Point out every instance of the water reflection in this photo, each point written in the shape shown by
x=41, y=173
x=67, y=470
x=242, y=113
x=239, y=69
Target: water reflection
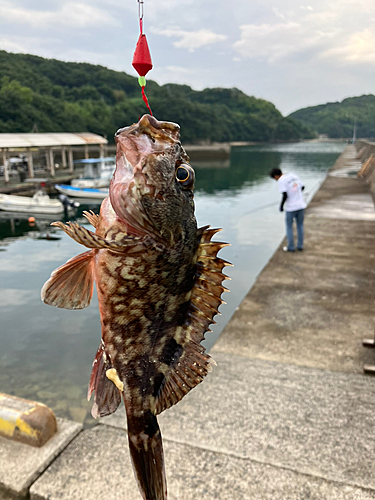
x=245, y=168
x=46, y=353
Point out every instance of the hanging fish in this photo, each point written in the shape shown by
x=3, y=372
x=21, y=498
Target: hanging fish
x=159, y=283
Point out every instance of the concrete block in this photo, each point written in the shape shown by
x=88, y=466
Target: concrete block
x=97, y=465
x=26, y=421
x=21, y=464
x=311, y=421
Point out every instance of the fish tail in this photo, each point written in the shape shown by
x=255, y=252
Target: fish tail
x=146, y=450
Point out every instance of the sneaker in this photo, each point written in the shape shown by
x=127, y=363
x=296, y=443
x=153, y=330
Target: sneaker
x=286, y=249
x=300, y=249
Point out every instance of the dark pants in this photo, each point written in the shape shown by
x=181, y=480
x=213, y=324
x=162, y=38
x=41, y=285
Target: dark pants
x=289, y=218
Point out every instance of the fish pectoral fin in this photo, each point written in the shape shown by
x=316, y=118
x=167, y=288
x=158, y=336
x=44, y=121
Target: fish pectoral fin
x=71, y=285
x=89, y=239
x=107, y=395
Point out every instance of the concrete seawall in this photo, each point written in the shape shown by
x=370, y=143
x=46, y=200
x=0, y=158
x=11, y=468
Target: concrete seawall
x=287, y=413
x=366, y=153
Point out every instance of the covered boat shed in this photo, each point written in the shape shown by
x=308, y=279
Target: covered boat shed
x=50, y=142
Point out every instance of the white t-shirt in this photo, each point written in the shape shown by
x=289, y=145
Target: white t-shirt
x=292, y=186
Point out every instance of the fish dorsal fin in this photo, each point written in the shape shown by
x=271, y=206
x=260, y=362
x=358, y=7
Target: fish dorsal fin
x=91, y=240
x=107, y=396
x=92, y=217
x=190, y=367
x=71, y=285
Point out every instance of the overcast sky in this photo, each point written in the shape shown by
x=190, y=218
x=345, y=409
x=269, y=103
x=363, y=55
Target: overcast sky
x=294, y=53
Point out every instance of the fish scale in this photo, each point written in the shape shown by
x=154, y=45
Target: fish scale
x=159, y=284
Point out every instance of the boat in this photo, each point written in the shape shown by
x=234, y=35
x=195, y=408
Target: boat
x=97, y=172
x=17, y=165
x=77, y=192
x=40, y=203
x=9, y=215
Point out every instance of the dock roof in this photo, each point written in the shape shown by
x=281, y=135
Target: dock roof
x=49, y=139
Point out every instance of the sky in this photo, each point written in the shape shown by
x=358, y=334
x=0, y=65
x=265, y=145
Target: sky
x=294, y=53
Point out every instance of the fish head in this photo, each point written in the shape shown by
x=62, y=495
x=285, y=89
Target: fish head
x=151, y=191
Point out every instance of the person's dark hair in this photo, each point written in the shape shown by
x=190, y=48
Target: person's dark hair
x=274, y=172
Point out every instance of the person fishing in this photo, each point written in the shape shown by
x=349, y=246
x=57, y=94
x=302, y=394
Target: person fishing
x=291, y=187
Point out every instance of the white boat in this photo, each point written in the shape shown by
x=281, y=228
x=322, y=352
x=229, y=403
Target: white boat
x=77, y=192
x=40, y=203
x=97, y=172
x=38, y=219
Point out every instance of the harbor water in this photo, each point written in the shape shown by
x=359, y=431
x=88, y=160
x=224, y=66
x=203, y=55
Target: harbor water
x=46, y=353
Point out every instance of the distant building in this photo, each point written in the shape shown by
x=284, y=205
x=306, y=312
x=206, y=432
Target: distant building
x=50, y=143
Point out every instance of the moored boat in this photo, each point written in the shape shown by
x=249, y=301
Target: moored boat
x=77, y=192
x=97, y=172
x=40, y=203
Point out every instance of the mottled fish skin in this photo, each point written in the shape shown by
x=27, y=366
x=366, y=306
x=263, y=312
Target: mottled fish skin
x=159, y=284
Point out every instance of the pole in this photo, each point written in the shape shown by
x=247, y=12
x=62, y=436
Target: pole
x=63, y=156
x=86, y=152
x=47, y=160
x=52, y=162
x=70, y=159
x=30, y=164
x=5, y=163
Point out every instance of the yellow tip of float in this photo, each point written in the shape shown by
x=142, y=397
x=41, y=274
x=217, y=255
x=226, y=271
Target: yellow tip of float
x=142, y=81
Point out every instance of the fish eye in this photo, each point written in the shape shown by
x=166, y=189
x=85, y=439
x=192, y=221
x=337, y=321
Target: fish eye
x=185, y=175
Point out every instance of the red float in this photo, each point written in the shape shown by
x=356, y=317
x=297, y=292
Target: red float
x=142, y=59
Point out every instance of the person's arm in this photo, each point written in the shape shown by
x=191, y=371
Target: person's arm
x=283, y=200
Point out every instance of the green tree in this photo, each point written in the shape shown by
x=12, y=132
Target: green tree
x=76, y=97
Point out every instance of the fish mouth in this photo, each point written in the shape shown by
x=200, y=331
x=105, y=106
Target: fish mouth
x=148, y=153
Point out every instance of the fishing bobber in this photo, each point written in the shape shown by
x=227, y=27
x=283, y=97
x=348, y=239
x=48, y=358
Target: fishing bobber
x=142, y=64
x=142, y=58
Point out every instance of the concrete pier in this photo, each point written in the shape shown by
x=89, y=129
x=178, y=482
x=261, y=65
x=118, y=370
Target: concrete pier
x=313, y=308
x=288, y=413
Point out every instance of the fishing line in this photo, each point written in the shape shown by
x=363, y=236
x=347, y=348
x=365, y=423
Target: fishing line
x=263, y=207
x=142, y=58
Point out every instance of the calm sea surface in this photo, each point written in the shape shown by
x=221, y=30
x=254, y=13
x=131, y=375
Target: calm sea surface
x=46, y=353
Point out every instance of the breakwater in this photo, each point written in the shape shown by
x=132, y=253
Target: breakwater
x=366, y=154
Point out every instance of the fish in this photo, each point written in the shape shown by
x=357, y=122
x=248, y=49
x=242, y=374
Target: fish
x=159, y=283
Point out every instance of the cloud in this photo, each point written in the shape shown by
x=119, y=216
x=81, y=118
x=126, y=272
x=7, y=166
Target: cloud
x=176, y=74
x=294, y=53
x=359, y=48
x=74, y=15
x=179, y=70
x=190, y=40
x=325, y=31
x=20, y=44
x=269, y=41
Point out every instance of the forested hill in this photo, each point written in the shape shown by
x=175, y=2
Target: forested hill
x=47, y=95
x=336, y=119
